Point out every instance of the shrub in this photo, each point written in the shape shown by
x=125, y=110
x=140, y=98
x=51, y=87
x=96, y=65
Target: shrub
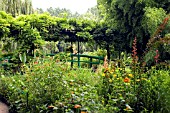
x=154, y=94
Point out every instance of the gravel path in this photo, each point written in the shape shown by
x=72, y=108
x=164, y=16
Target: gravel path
x=3, y=108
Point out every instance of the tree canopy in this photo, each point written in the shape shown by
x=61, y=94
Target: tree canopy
x=132, y=18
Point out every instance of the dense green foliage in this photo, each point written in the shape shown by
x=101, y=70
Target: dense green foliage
x=28, y=32
x=132, y=18
x=138, y=82
x=50, y=85
x=47, y=26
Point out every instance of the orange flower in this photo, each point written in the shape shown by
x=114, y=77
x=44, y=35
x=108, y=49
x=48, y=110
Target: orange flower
x=126, y=80
x=36, y=62
x=77, y=106
x=71, y=83
x=84, y=112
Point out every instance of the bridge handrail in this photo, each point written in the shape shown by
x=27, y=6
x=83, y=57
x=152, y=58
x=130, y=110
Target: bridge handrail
x=88, y=56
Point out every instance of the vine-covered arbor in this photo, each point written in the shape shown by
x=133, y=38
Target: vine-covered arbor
x=30, y=31
x=36, y=28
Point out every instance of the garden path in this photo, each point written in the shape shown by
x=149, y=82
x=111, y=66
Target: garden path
x=3, y=108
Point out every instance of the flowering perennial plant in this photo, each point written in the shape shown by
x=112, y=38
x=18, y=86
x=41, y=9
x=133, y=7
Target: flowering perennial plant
x=134, y=51
x=157, y=56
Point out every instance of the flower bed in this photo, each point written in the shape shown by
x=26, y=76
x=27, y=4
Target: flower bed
x=48, y=85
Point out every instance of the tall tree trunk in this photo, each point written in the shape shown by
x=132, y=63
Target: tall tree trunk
x=108, y=51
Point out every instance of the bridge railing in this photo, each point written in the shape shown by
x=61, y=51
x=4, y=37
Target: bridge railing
x=90, y=61
x=98, y=59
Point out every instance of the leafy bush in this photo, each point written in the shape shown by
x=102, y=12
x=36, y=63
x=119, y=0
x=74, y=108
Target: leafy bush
x=154, y=95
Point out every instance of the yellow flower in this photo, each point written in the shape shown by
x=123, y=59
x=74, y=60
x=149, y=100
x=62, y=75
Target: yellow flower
x=119, y=68
x=143, y=79
x=107, y=69
x=128, y=84
x=118, y=78
x=130, y=75
x=110, y=80
x=103, y=101
x=114, y=75
x=138, y=80
x=112, y=70
x=103, y=74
